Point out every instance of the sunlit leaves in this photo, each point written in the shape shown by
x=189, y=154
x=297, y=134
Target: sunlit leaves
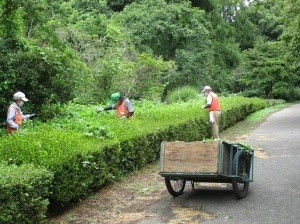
x=292, y=20
x=266, y=68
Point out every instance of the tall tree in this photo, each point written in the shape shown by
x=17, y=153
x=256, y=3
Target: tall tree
x=246, y=32
x=267, y=71
x=291, y=33
x=291, y=36
x=224, y=44
x=266, y=15
x=120, y=67
x=174, y=31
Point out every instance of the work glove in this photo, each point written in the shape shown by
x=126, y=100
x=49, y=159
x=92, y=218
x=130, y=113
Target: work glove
x=100, y=110
x=32, y=115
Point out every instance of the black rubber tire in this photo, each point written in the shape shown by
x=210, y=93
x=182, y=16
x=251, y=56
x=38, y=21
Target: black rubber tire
x=242, y=161
x=175, y=186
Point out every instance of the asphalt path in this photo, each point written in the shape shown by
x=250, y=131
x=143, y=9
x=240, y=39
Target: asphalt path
x=273, y=197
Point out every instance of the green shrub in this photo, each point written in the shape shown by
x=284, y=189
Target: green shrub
x=273, y=102
x=182, y=94
x=288, y=94
x=50, y=111
x=84, y=162
x=24, y=192
x=251, y=93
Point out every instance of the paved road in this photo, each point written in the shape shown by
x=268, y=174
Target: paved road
x=273, y=198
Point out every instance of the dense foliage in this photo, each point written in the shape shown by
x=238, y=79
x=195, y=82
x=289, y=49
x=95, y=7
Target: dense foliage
x=84, y=149
x=182, y=94
x=24, y=193
x=57, y=51
x=68, y=56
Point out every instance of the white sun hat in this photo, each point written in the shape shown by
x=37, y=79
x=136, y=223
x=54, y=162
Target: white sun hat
x=206, y=88
x=20, y=95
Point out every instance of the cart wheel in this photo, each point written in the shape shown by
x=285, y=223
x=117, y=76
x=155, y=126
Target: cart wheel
x=241, y=161
x=175, y=186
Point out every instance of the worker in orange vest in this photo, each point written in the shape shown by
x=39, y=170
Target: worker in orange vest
x=14, y=113
x=121, y=104
x=214, y=108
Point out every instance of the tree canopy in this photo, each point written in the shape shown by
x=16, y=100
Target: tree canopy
x=83, y=50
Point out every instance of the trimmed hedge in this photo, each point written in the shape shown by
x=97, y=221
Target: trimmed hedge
x=85, y=150
x=24, y=193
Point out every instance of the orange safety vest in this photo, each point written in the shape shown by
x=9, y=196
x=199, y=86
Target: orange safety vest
x=122, y=110
x=215, y=105
x=18, y=119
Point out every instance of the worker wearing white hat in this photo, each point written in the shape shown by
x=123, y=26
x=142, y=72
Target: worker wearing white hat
x=14, y=113
x=213, y=105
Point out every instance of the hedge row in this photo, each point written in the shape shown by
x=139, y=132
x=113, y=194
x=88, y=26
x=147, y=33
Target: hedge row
x=24, y=192
x=85, y=150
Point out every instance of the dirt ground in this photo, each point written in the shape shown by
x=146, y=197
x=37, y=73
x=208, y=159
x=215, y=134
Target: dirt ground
x=124, y=202
x=119, y=202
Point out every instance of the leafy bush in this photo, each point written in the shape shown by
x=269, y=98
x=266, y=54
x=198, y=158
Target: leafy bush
x=24, y=192
x=182, y=94
x=46, y=74
x=288, y=94
x=251, y=93
x=272, y=102
x=50, y=111
x=86, y=150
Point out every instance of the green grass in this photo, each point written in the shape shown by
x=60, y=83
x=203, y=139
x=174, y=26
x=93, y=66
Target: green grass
x=260, y=115
x=251, y=122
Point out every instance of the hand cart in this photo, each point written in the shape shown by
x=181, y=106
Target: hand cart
x=206, y=161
